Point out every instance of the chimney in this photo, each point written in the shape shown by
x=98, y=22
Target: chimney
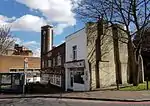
x=46, y=39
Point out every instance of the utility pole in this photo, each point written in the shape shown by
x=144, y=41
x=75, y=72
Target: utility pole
x=25, y=67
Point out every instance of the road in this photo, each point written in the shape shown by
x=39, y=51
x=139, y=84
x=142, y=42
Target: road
x=65, y=102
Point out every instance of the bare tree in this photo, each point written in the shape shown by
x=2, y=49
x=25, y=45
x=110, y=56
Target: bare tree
x=132, y=14
x=6, y=39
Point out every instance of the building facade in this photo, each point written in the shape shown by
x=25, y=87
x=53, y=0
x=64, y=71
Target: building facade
x=15, y=64
x=52, y=59
x=54, y=66
x=19, y=50
x=76, y=66
x=91, y=63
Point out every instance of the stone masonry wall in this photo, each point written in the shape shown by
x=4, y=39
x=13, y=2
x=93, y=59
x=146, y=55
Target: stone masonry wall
x=107, y=65
x=91, y=37
x=123, y=50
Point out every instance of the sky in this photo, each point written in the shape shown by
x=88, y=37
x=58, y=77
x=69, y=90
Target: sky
x=25, y=17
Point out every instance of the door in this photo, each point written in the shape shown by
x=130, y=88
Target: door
x=71, y=79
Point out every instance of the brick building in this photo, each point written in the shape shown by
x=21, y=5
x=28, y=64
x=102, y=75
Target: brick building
x=52, y=59
x=54, y=65
x=15, y=64
x=19, y=50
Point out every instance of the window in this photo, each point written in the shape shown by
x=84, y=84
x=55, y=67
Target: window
x=51, y=78
x=13, y=70
x=49, y=63
x=74, y=48
x=21, y=70
x=54, y=62
x=78, y=77
x=6, y=79
x=58, y=80
x=45, y=63
x=29, y=69
x=59, y=59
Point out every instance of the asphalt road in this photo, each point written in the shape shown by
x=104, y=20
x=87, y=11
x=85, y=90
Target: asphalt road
x=65, y=102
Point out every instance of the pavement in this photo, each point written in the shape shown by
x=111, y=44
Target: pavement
x=123, y=96
x=65, y=102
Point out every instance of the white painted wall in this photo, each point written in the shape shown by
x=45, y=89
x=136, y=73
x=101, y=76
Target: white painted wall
x=78, y=87
x=80, y=39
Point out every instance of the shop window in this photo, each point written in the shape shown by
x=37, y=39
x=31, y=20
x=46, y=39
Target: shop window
x=6, y=79
x=16, y=79
x=58, y=80
x=78, y=77
x=38, y=74
x=74, y=48
x=51, y=78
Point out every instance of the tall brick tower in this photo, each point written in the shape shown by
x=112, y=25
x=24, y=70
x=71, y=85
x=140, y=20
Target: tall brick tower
x=46, y=41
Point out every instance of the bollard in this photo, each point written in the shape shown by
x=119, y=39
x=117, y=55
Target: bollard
x=147, y=83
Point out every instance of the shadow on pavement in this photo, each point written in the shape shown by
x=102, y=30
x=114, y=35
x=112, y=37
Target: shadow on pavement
x=43, y=89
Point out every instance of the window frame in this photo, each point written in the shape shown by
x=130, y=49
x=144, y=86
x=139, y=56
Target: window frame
x=74, y=52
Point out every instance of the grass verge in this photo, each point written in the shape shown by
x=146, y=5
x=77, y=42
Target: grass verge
x=140, y=87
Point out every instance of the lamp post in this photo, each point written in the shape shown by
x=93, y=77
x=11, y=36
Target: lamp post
x=25, y=67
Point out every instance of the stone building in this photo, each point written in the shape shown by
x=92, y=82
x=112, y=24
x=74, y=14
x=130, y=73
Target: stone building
x=107, y=55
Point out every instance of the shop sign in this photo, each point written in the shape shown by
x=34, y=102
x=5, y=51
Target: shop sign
x=79, y=64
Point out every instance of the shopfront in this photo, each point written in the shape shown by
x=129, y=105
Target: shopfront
x=75, y=75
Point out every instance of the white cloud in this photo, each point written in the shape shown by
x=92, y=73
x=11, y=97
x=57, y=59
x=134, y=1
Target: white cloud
x=28, y=23
x=55, y=11
x=6, y=19
x=58, y=12
x=17, y=40
x=31, y=43
x=34, y=46
x=24, y=23
x=37, y=52
x=59, y=28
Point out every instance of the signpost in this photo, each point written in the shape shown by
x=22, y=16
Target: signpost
x=25, y=67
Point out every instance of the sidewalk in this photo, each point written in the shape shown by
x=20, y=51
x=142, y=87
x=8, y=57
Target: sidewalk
x=130, y=96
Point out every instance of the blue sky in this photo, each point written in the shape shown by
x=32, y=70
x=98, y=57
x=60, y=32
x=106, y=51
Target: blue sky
x=27, y=16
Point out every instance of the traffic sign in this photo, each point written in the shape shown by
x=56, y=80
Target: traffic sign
x=26, y=60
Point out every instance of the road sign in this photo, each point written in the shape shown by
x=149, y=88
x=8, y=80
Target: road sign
x=26, y=60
